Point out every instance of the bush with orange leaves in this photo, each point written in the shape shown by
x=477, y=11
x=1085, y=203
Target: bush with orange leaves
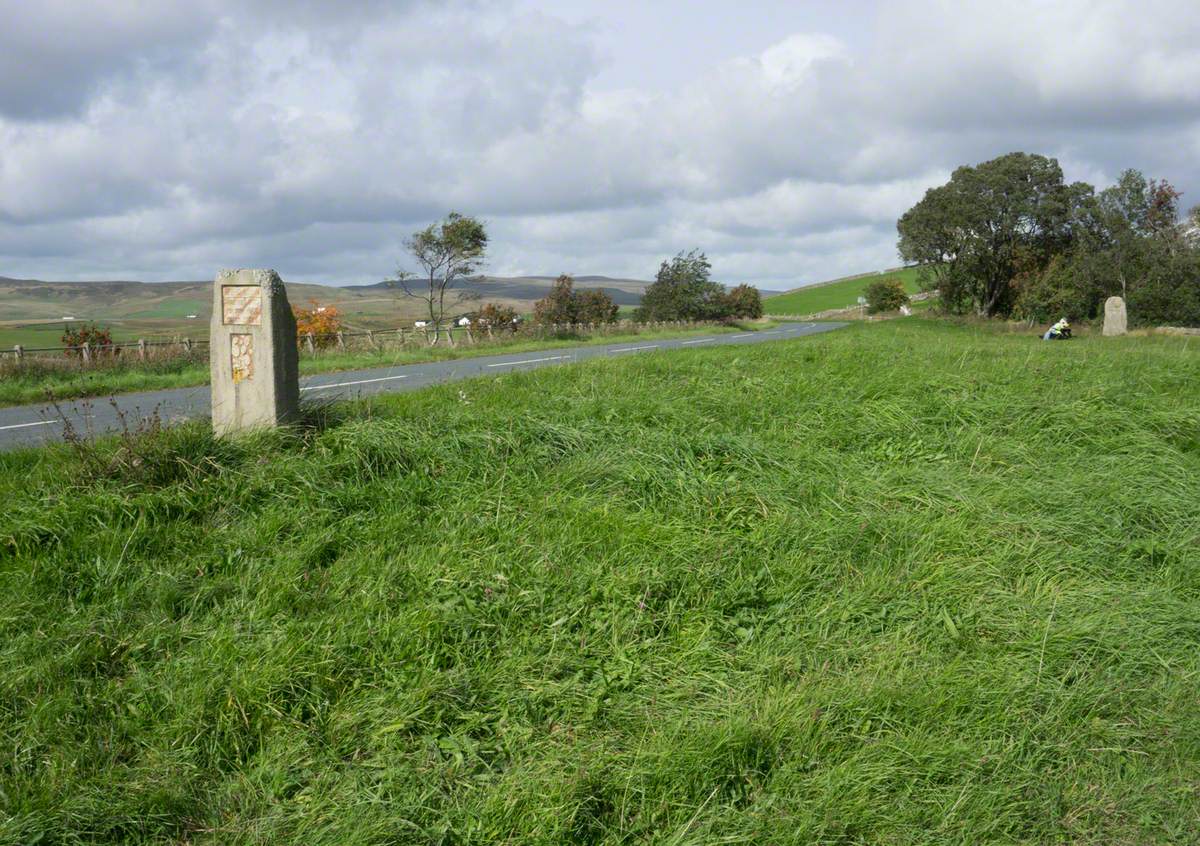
x=324, y=322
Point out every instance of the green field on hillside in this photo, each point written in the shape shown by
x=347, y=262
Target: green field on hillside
x=41, y=336
x=904, y=583
x=178, y=308
x=840, y=294
x=49, y=335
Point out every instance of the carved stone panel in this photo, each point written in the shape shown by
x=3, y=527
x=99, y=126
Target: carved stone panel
x=241, y=305
x=241, y=355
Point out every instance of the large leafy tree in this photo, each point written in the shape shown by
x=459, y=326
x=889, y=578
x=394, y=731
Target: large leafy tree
x=447, y=252
x=683, y=290
x=987, y=225
x=1127, y=241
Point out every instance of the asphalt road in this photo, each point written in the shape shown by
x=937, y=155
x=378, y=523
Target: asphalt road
x=29, y=425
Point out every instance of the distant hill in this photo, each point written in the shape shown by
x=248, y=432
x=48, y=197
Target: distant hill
x=532, y=288
x=32, y=310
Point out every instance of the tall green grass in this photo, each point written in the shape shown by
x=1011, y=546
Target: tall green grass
x=903, y=583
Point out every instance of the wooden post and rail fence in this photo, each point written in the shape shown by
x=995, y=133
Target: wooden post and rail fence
x=375, y=340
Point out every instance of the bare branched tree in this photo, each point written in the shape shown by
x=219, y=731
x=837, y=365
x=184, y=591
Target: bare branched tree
x=447, y=252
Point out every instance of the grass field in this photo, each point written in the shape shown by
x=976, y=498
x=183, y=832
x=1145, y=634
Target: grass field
x=841, y=294
x=32, y=337
x=178, y=308
x=908, y=582
x=49, y=335
x=33, y=382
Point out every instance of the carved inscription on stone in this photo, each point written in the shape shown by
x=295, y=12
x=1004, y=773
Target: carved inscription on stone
x=241, y=305
x=241, y=353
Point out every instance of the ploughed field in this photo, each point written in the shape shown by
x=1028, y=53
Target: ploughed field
x=909, y=582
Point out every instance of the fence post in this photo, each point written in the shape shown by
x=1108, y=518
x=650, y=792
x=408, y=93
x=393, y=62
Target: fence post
x=490, y=335
x=341, y=341
x=187, y=345
x=450, y=335
x=20, y=351
x=425, y=329
x=310, y=342
x=371, y=338
x=141, y=349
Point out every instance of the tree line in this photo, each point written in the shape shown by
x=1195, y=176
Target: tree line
x=1010, y=238
x=450, y=251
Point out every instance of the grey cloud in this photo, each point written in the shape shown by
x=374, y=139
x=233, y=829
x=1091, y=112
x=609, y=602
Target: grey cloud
x=313, y=137
x=55, y=55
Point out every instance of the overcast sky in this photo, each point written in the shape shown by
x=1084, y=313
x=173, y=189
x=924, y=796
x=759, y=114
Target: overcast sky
x=167, y=140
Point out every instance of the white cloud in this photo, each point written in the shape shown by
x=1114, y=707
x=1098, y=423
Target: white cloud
x=288, y=135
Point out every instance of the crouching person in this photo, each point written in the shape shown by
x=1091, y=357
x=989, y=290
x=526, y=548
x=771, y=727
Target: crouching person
x=1060, y=331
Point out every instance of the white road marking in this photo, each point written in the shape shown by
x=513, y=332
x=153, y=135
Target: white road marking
x=528, y=361
x=735, y=337
x=633, y=349
x=701, y=341
x=27, y=425
x=346, y=384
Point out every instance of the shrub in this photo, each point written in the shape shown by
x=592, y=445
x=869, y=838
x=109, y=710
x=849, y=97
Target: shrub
x=559, y=305
x=1062, y=289
x=566, y=305
x=1168, y=294
x=324, y=322
x=98, y=338
x=497, y=316
x=743, y=301
x=594, y=306
x=886, y=295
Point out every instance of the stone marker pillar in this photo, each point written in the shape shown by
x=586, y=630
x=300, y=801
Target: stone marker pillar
x=253, y=353
x=1115, y=318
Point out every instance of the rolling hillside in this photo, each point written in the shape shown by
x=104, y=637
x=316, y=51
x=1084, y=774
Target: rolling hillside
x=838, y=293
x=31, y=310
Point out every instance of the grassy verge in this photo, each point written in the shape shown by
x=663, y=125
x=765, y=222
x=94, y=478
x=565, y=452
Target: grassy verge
x=842, y=294
x=904, y=583
x=33, y=381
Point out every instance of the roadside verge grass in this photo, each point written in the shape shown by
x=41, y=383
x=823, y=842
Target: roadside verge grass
x=35, y=379
x=902, y=583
